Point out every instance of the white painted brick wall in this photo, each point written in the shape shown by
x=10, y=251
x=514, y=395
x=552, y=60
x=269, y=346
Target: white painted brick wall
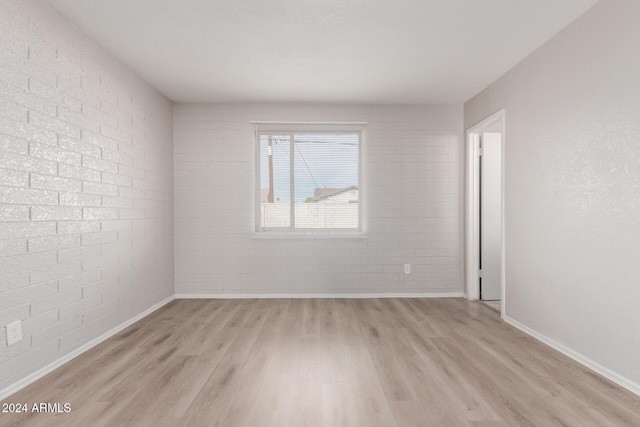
x=412, y=211
x=85, y=147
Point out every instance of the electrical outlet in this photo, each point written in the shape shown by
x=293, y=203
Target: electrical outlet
x=14, y=332
x=407, y=269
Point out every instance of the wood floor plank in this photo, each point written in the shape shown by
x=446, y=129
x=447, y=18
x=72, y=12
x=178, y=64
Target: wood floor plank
x=388, y=363
x=447, y=379
x=325, y=362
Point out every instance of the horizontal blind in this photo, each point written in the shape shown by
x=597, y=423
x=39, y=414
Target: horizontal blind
x=275, y=181
x=321, y=190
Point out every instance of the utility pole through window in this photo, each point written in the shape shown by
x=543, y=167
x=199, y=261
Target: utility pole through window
x=270, y=155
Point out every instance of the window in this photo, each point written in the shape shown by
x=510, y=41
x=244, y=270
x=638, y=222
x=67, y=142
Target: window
x=308, y=180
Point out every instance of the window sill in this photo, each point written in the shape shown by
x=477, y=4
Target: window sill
x=306, y=234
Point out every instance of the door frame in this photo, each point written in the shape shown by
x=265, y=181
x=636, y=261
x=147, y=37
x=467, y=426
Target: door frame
x=473, y=207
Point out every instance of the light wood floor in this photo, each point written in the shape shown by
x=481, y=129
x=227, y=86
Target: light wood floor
x=334, y=362
x=496, y=305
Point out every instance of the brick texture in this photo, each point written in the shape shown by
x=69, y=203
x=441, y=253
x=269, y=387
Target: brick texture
x=86, y=189
x=412, y=211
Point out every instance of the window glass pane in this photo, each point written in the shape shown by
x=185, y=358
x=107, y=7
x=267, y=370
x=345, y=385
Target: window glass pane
x=326, y=180
x=275, y=190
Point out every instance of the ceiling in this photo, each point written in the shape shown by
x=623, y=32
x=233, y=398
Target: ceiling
x=320, y=51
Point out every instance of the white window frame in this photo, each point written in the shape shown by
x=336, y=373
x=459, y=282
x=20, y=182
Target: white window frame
x=292, y=228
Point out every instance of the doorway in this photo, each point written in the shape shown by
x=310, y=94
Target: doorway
x=485, y=211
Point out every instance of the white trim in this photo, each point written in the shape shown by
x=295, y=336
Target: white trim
x=31, y=378
x=292, y=181
x=312, y=296
x=360, y=186
x=578, y=357
x=473, y=206
x=256, y=199
x=270, y=122
x=311, y=237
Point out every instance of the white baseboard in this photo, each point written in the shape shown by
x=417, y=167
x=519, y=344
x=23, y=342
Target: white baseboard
x=339, y=295
x=13, y=388
x=580, y=358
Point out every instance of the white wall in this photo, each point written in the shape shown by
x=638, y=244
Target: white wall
x=573, y=186
x=410, y=193
x=86, y=218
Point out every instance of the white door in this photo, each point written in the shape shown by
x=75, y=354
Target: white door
x=491, y=216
